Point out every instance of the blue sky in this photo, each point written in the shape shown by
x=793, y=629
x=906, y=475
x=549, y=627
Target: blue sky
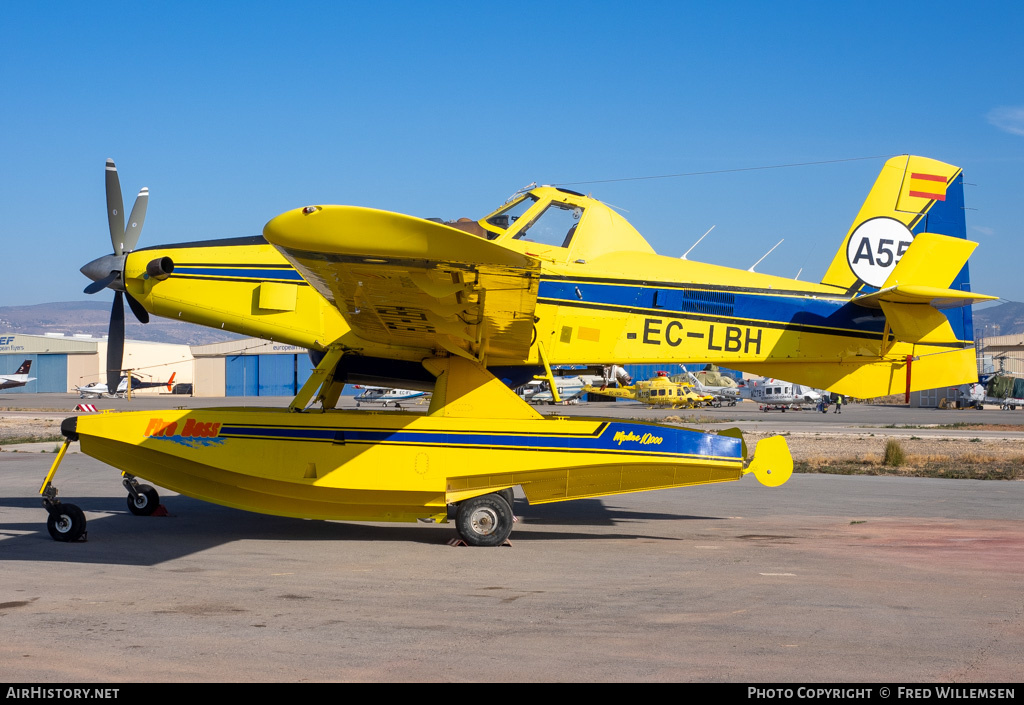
x=234, y=112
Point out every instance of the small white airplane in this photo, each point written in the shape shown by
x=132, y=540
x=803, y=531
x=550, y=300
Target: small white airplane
x=722, y=393
x=570, y=389
x=19, y=379
x=387, y=395
x=97, y=390
x=773, y=393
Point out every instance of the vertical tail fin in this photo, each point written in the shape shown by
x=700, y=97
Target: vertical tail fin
x=23, y=370
x=912, y=195
x=170, y=382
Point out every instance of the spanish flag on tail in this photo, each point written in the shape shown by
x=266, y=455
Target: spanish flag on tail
x=919, y=188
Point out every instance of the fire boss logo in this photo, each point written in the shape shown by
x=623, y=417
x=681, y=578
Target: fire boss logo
x=192, y=429
x=191, y=434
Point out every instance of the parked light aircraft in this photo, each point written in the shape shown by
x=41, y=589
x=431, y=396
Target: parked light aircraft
x=657, y=391
x=386, y=395
x=773, y=393
x=569, y=389
x=97, y=390
x=20, y=377
x=720, y=394
x=552, y=277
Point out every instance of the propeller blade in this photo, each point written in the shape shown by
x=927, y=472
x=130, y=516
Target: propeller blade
x=137, y=308
x=115, y=208
x=100, y=284
x=135, y=220
x=115, y=343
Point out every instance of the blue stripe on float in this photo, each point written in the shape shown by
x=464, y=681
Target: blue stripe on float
x=616, y=437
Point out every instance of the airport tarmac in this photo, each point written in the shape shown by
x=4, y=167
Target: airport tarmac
x=827, y=579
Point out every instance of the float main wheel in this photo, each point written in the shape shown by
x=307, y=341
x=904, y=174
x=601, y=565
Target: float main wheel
x=508, y=495
x=484, y=521
x=146, y=503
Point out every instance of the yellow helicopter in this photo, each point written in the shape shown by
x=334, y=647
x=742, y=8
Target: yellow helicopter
x=660, y=390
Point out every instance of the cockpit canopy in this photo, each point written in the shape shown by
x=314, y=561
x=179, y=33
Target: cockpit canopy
x=562, y=226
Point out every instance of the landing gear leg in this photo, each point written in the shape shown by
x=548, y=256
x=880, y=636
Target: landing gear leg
x=142, y=500
x=66, y=522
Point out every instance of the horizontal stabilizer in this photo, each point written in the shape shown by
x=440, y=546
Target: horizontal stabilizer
x=915, y=292
x=931, y=259
x=933, y=296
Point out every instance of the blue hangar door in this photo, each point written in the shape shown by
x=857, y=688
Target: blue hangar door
x=265, y=375
x=50, y=372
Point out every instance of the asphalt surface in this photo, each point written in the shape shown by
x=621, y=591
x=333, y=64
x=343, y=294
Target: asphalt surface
x=827, y=579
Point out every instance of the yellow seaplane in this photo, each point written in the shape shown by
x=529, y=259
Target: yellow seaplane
x=660, y=390
x=471, y=309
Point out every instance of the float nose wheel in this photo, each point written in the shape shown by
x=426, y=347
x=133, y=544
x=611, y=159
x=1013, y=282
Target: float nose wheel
x=484, y=521
x=142, y=500
x=66, y=522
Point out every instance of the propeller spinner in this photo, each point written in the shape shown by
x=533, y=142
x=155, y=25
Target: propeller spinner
x=108, y=271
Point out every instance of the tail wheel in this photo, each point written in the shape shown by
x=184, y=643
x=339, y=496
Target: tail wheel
x=66, y=523
x=484, y=521
x=146, y=503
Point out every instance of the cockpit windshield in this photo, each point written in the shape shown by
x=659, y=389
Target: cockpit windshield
x=506, y=217
x=555, y=226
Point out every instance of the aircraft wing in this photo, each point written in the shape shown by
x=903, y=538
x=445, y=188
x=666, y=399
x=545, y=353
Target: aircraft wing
x=405, y=281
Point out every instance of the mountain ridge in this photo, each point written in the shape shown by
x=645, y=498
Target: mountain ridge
x=93, y=318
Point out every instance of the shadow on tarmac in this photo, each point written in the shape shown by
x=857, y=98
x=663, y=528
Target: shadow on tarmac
x=116, y=536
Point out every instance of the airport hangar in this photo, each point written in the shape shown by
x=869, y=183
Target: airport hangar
x=246, y=367
x=62, y=362
x=255, y=367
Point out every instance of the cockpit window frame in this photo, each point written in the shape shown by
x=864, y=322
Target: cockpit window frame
x=495, y=229
x=564, y=240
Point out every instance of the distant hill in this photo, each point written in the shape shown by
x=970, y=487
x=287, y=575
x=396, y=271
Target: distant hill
x=93, y=318
x=1003, y=319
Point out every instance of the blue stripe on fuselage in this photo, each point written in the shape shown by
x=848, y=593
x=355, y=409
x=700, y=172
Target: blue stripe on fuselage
x=750, y=307
x=289, y=275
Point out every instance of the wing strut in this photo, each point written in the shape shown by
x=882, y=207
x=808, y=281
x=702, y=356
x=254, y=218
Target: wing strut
x=547, y=373
x=322, y=378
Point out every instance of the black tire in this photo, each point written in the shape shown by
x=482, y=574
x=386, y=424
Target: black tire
x=146, y=503
x=67, y=523
x=484, y=521
x=508, y=495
